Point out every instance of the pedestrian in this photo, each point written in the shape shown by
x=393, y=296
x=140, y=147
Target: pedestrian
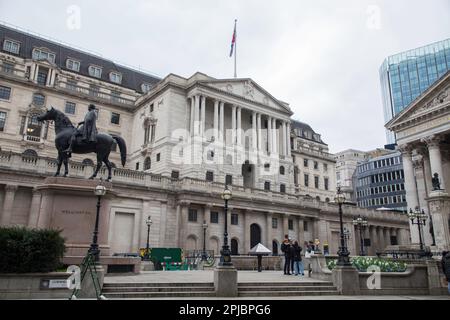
x=308, y=253
x=285, y=248
x=445, y=262
x=298, y=263
x=291, y=255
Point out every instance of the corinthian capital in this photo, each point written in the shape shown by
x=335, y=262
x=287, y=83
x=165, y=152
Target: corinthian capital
x=405, y=149
x=432, y=141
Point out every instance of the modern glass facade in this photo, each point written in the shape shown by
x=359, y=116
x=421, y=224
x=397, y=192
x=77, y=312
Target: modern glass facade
x=381, y=183
x=406, y=75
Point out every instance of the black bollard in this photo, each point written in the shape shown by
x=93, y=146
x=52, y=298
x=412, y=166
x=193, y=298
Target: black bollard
x=259, y=263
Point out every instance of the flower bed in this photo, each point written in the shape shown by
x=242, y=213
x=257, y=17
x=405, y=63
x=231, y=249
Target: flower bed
x=363, y=263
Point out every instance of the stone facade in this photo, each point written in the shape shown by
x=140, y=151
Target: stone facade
x=186, y=138
x=423, y=136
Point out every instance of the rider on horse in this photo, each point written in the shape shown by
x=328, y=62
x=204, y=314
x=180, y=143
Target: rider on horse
x=88, y=131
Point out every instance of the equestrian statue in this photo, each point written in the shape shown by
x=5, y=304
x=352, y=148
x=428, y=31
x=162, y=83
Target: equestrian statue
x=85, y=139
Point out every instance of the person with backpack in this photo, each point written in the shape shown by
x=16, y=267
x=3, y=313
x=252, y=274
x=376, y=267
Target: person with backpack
x=445, y=262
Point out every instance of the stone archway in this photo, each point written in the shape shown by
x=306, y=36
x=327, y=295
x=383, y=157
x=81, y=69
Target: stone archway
x=255, y=235
x=191, y=243
x=274, y=247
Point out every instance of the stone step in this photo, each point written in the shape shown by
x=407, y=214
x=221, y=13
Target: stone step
x=287, y=293
x=158, y=284
x=142, y=295
x=287, y=288
x=285, y=284
x=155, y=289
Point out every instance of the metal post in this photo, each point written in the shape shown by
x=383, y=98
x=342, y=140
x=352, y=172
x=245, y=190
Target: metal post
x=343, y=253
x=204, y=242
x=225, y=259
x=148, y=244
x=94, y=245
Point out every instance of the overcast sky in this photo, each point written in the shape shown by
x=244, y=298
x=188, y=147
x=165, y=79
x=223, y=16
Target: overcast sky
x=322, y=57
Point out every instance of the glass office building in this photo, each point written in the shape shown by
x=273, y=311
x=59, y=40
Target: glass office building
x=406, y=75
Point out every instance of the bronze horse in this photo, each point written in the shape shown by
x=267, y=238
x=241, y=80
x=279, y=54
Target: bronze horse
x=63, y=132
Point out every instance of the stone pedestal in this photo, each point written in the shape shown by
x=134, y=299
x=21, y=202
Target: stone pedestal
x=147, y=266
x=434, y=280
x=225, y=281
x=69, y=204
x=439, y=203
x=346, y=280
x=87, y=285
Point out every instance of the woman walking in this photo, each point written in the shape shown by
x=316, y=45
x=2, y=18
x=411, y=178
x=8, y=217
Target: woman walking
x=298, y=263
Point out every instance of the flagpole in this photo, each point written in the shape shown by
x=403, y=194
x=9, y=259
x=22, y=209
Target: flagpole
x=235, y=49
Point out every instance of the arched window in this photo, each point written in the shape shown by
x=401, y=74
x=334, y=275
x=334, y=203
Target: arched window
x=30, y=153
x=234, y=247
x=282, y=170
x=88, y=162
x=327, y=199
x=274, y=247
x=147, y=163
x=318, y=198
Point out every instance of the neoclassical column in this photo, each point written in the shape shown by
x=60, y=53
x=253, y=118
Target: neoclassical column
x=433, y=144
x=197, y=116
x=206, y=219
x=269, y=135
x=284, y=137
x=45, y=210
x=34, y=209
x=233, y=125
x=387, y=237
x=288, y=133
x=246, y=233
x=274, y=136
x=216, y=120
x=259, y=133
x=222, y=121
x=254, y=132
x=8, y=203
x=203, y=113
x=239, y=126
x=269, y=236
x=408, y=169
x=177, y=225
x=300, y=231
x=373, y=240
x=285, y=224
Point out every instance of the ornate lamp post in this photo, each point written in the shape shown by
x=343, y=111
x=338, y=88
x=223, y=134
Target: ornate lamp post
x=204, y=226
x=225, y=258
x=361, y=224
x=418, y=217
x=148, y=222
x=99, y=191
x=343, y=252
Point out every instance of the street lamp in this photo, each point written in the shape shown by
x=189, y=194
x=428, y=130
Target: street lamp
x=361, y=224
x=343, y=252
x=421, y=218
x=148, y=222
x=204, y=226
x=225, y=258
x=99, y=191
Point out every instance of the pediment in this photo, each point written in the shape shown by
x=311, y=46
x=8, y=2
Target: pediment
x=250, y=90
x=434, y=99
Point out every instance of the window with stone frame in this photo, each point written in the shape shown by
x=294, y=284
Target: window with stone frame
x=214, y=217
x=158, y=157
x=73, y=65
x=291, y=224
x=70, y=107
x=316, y=182
x=95, y=71
x=2, y=120
x=11, y=46
x=306, y=180
x=115, y=118
x=305, y=163
x=305, y=225
x=267, y=185
x=325, y=183
x=38, y=99
x=228, y=180
x=274, y=223
x=282, y=188
x=192, y=215
x=316, y=165
x=234, y=219
x=282, y=170
x=147, y=163
x=175, y=174
x=5, y=93
x=209, y=176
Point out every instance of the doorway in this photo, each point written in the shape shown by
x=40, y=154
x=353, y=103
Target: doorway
x=255, y=235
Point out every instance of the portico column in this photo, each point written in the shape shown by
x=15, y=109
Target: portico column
x=410, y=187
x=177, y=225
x=288, y=133
x=269, y=230
x=197, y=116
x=222, y=121
x=274, y=136
x=203, y=113
x=269, y=135
x=435, y=157
x=34, y=209
x=301, y=232
x=373, y=240
x=254, y=132
x=191, y=127
x=246, y=225
x=8, y=202
x=206, y=215
x=285, y=224
x=258, y=118
x=239, y=126
x=183, y=225
x=284, y=137
x=216, y=120
x=233, y=125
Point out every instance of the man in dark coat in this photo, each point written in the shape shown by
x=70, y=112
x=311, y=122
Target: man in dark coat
x=298, y=264
x=286, y=248
x=88, y=131
x=445, y=262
